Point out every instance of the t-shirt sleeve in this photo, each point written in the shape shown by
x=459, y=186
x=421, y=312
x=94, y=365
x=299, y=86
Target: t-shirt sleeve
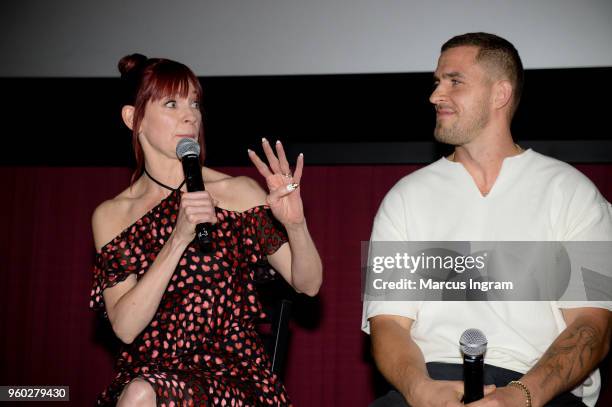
x=113, y=264
x=390, y=220
x=586, y=216
x=389, y=225
x=583, y=213
x=585, y=304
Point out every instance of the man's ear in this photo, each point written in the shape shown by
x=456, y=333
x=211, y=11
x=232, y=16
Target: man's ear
x=127, y=114
x=502, y=94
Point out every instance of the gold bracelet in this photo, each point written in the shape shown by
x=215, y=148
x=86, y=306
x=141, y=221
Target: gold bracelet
x=526, y=392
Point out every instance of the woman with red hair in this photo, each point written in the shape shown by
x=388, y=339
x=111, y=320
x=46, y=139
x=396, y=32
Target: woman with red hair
x=187, y=317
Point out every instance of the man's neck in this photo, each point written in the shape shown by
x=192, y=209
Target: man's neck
x=483, y=159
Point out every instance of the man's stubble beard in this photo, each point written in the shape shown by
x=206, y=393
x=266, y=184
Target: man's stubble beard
x=457, y=134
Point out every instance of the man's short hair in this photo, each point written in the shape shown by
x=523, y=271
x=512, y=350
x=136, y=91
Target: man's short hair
x=496, y=52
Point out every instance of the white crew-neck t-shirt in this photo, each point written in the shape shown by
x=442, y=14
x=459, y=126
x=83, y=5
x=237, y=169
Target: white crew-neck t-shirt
x=535, y=198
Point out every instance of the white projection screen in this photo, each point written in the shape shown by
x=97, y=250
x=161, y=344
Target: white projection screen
x=76, y=38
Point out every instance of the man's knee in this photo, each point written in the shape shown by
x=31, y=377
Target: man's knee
x=138, y=393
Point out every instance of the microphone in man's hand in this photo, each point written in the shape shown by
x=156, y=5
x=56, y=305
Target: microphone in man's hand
x=188, y=151
x=473, y=345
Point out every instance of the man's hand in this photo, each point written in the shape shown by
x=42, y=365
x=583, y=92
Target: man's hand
x=437, y=393
x=508, y=396
x=440, y=393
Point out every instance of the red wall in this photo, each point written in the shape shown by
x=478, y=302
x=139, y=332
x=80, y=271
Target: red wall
x=48, y=335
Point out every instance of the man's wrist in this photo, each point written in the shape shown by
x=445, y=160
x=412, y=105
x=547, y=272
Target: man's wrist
x=524, y=390
x=414, y=387
x=539, y=395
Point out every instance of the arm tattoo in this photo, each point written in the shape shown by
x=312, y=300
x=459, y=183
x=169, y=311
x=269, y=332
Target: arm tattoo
x=572, y=356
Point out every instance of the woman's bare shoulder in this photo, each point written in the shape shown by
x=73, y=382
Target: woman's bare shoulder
x=236, y=193
x=213, y=176
x=112, y=216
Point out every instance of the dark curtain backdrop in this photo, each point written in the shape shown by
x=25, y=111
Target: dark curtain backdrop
x=48, y=336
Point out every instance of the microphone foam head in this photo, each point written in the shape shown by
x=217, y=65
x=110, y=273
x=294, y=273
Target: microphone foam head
x=473, y=342
x=187, y=146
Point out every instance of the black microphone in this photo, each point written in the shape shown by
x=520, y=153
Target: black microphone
x=473, y=345
x=188, y=151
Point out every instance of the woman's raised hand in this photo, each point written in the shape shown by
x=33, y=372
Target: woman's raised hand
x=283, y=187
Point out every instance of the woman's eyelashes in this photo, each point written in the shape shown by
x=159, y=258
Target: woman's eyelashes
x=171, y=103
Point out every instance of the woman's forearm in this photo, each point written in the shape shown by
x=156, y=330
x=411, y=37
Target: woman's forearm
x=136, y=308
x=306, y=268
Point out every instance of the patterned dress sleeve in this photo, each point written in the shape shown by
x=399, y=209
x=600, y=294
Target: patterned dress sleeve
x=264, y=236
x=113, y=264
x=270, y=233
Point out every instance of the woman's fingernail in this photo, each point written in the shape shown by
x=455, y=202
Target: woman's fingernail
x=263, y=140
x=292, y=187
x=278, y=142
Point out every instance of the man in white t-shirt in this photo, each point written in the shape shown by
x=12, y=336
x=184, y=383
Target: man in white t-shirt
x=489, y=189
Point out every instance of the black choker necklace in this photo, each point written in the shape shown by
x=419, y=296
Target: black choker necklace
x=164, y=185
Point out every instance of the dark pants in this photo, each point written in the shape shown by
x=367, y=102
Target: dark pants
x=492, y=375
